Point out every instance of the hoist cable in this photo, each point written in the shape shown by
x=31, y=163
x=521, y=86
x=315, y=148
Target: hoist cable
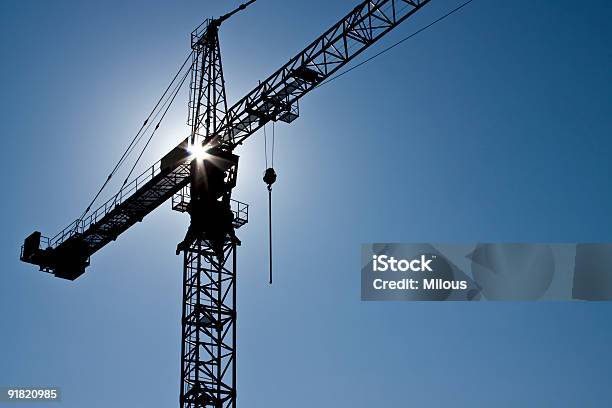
x=270, y=199
x=269, y=178
x=270, y=227
x=272, y=144
x=265, y=145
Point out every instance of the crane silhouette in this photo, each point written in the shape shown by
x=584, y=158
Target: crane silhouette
x=199, y=175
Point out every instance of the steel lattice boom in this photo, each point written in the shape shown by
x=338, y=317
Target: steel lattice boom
x=276, y=98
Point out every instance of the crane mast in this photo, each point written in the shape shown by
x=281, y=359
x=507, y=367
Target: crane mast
x=208, y=369
x=198, y=176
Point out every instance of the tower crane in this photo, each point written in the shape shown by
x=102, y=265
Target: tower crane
x=198, y=177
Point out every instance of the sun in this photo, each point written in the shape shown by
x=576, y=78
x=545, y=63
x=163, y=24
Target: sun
x=198, y=151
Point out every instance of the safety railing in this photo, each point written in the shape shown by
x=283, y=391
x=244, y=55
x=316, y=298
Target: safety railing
x=241, y=213
x=181, y=199
x=80, y=225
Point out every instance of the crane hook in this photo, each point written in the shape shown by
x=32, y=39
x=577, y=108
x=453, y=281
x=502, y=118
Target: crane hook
x=269, y=178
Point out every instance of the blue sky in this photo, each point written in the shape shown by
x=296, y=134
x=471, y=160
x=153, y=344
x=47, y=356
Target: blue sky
x=492, y=126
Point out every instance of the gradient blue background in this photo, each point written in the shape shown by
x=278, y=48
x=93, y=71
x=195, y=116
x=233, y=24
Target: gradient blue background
x=493, y=126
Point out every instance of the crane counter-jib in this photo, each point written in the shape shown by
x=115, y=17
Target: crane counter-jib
x=67, y=253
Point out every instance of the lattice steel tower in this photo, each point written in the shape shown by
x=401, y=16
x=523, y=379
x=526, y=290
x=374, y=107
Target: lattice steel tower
x=208, y=352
